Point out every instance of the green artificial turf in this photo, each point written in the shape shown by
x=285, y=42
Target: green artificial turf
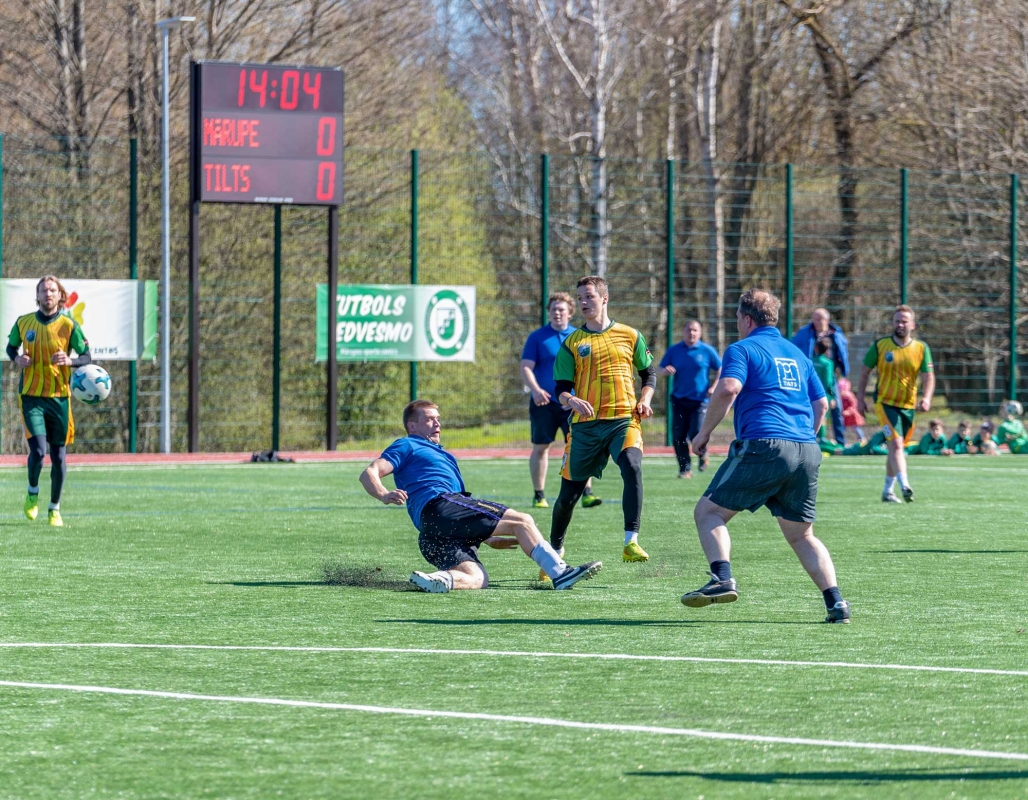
x=298, y=555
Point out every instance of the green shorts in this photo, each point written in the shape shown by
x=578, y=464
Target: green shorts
x=591, y=443
x=49, y=417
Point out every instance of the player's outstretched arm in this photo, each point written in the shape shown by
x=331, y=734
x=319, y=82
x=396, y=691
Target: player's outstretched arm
x=371, y=480
x=927, y=392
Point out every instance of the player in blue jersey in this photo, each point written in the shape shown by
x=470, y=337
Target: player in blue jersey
x=453, y=524
x=690, y=362
x=545, y=414
x=774, y=460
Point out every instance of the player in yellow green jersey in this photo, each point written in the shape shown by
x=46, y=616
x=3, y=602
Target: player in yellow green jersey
x=898, y=359
x=597, y=363
x=41, y=344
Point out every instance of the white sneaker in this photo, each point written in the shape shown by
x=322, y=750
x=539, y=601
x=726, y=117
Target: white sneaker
x=890, y=497
x=434, y=583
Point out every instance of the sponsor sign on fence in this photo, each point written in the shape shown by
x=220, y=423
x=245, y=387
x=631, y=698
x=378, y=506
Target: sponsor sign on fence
x=119, y=318
x=399, y=323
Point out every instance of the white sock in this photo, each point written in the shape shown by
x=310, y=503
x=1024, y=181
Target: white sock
x=903, y=480
x=631, y=536
x=55, y=506
x=549, y=562
x=33, y=490
x=889, y=483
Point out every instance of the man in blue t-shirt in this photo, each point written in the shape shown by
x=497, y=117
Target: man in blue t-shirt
x=545, y=414
x=690, y=363
x=775, y=458
x=453, y=524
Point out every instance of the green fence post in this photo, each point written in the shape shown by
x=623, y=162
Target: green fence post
x=133, y=274
x=1, y=271
x=276, y=352
x=544, y=236
x=1012, y=358
x=414, y=254
x=669, y=292
x=788, y=250
x=904, y=228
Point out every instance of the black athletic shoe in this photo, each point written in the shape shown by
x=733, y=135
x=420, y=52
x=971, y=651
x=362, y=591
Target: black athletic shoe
x=703, y=464
x=714, y=592
x=573, y=575
x=908, y=495
x=839, y=613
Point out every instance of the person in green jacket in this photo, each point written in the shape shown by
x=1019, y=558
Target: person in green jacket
x=875, y=446
x=983, y=443
x=1011, y=430
x=824, y=367
x=932, y=443
x=960, y=440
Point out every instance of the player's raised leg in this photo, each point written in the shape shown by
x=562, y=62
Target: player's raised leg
x=630, y=464
x=523, y=528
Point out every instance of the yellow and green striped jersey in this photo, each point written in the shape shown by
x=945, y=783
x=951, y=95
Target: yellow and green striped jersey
x=898, y=368
x=602, y=365
x=40, y=340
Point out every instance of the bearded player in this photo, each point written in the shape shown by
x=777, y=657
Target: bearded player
x=46, y=339
x=596, y=362
x=898, y=359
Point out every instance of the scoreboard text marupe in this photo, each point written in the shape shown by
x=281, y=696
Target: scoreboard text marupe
x=267, y=134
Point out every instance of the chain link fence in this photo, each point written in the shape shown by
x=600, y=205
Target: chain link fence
x=856, y=241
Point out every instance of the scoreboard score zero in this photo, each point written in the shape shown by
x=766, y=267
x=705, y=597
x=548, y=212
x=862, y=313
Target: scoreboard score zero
x=266, y=133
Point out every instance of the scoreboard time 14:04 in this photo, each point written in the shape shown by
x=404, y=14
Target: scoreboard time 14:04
x=268, y=134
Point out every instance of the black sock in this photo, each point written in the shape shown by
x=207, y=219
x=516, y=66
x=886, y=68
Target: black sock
x=539, y=495
x=832, y=596
x=721, y=570
x=563, y=508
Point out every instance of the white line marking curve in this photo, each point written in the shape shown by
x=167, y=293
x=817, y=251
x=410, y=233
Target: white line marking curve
x=542, y=721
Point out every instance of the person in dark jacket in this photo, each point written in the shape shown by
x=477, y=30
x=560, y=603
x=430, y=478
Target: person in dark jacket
x=822, y=327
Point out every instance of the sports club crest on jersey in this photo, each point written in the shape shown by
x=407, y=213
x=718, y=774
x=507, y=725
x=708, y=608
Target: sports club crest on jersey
x=585, y=350
x=889, y=357
x=30, y=336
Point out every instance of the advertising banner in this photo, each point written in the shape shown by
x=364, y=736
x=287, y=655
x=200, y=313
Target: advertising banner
x=399, y=323
x=119, y=318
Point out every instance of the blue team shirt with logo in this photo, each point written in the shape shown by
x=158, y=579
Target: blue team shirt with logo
x=541, y=347
x=778, y=387
x=692, y=369
x=424, y=470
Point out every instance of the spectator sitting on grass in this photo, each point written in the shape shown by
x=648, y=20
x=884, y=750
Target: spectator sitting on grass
x=960, y=440
x=851, y=418
x=932, y=443
x=1011, y=430
x=983, y=443
x=875, y=446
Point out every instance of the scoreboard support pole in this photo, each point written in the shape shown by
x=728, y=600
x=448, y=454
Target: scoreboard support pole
x=332, y=394
x=276, y=352
x=194, y=326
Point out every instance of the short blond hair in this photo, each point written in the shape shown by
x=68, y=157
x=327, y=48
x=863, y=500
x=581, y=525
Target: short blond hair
x=596, y=282
x=905, y=309
x=761, y=306
x=561, y=297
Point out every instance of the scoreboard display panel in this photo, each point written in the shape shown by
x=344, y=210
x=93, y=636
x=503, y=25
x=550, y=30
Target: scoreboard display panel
x=267, y=133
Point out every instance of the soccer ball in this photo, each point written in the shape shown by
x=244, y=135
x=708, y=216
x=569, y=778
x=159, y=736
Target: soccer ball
x=90, y=384
x=1013, y=408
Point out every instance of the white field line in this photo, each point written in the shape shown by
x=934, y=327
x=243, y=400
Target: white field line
x=764, y=662
x=542, y=721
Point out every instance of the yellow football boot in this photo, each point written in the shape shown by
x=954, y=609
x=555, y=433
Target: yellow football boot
x=55, y=519
x=31, y=506
x=633, y=552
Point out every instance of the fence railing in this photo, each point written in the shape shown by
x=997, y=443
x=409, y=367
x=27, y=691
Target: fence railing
x=679, y=242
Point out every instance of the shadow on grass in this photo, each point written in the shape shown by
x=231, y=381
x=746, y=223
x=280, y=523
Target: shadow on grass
x=333, y=573
x=835, y=776
x=965, y=552
x=654, y=623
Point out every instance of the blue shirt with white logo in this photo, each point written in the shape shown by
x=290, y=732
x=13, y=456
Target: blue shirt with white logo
x=424, y=470
x=692, y=369
x=778, y=387
x=541, y=347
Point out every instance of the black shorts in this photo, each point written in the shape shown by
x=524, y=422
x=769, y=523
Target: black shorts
x=454, y=525
x=547, y=420
x=776, y=473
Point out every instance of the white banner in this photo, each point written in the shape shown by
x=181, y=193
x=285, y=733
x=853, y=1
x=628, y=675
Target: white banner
x=119, y=318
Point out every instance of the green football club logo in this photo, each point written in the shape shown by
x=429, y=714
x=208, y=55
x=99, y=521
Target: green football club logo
x=447, y=323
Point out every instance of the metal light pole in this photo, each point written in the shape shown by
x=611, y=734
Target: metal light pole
x=165, y=26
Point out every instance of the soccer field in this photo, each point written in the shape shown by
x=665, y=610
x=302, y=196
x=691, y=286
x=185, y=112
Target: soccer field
x=277, y=651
